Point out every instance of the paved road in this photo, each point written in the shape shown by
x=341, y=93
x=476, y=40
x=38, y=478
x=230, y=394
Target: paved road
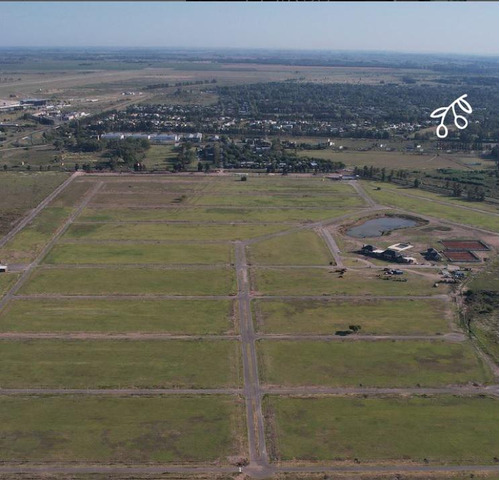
x=332, y=246
x=33, y=213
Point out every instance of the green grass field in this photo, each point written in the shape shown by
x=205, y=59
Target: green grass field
x=121, y=430
x=137, y=199
x=299, y=248
x=441, y=429
x=298, y=200
x=212, y=214
x=140, y=254
x=377, y=364
x=6, y=281
x=191, y=317
x=126, y=280
x=22, y=191
x=29, y=242
x=389, y=196
x=120, y=364
x=166, y=231
x=309, y=281
x=403, y=317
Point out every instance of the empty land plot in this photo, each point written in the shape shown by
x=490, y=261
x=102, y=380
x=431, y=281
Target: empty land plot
x=20, y=192
x=375, y=364
x=73, y=193
x=120, y=364
x=298, y=200
x=442, y=429
x=299, y=248
x=191, y=317
x=138, y=199
x=6, y=281
x=446, y=212
x=165, y=231
x=29, y=242
x=140, y=254
x=322, y=281
x=403, y=317
x=424, y=194
x=130, y=281
x=134, y=186
x=279, y=185
x=176, y=429
x=214, y=214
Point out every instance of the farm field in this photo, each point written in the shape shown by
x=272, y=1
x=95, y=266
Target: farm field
x=324, y=281
x=300, y=248
x=121, y=430
x=176, y=334
x=176, y=317
x=373, y=316
x=327, y=429
x=379, y=363
x=120, y=364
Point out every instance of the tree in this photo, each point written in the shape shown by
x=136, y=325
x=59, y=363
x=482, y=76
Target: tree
x=416, y=183
x=200, y=167
x=207, y=167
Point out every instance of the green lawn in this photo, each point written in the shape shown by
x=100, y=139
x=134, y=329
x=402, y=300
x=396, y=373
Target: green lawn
x=120, y=364
x=441, y=429
x=143, y=254
x=403, y=317
x=29, y=242
x=167, y=231
x=309, y=281
x=138, y=199
x=299, y=248
x=377, y=363
x=130, y=430
x=213, y=214
x=389, y=196
x=192, y=317
x=129, y=281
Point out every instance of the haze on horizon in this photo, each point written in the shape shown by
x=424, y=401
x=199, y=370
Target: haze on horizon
x=423, y=27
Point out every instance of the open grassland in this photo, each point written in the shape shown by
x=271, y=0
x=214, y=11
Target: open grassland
x=319, y=281
x=441, y=429
x=120, y=364
x=121, y=430
x=299, y=248
x=297, y=200
x=160, y=157
x=73, y=193
x=403, y=317
x=29, y=242
x=123, y=281
x=20, y=192
x=388, y=196
x=481, y=474
x=167, y=231
x=214, y=214
x=191, y=317
x=376, y=364
x=140, y=254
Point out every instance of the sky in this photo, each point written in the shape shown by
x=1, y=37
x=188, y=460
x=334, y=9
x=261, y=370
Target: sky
x=430, y=27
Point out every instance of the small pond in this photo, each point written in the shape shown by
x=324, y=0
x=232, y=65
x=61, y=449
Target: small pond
x=378, y=226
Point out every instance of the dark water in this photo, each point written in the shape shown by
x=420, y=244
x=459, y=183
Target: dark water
x=377, y=226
